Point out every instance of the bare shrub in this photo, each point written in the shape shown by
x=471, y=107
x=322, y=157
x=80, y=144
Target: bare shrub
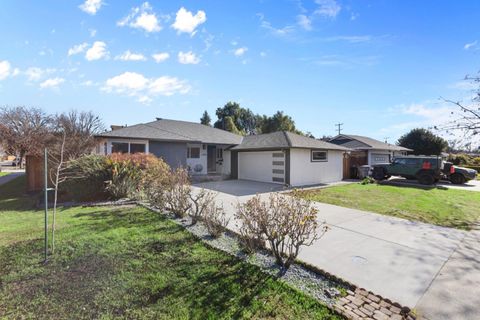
x=249, y=230
x=215, y=219
x=285, y=222
x=199, y=202
x=178, y=192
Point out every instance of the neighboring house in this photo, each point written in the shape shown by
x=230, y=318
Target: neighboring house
x=280, y=157
x=200, y=148
x=368, y=151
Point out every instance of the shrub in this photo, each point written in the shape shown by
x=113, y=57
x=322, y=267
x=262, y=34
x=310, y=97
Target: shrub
x=215, y=220
x=178, y=192
x=285, y=222
x=199, y=203
x=367, y=180
x=249, y=230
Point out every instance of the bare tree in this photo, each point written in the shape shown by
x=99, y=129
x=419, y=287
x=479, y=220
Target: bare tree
x=200, y=203
x=466, y=118
x=24, y=130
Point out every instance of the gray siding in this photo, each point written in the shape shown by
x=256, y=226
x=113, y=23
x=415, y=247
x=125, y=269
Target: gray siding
x=173, y=153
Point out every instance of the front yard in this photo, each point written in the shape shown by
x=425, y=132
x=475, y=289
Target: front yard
x=449, y=208
x=128, y=262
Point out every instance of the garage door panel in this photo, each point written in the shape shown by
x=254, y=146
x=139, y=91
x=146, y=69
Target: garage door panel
x=264, y=166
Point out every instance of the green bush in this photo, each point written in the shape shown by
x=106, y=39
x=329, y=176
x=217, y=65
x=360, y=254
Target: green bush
x=367, y=180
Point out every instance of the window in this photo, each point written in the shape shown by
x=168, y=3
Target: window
x=318, y=156
x=193, y=152
x=119, y=147
x=219, y=153
x=400, y=161
x=137, y=148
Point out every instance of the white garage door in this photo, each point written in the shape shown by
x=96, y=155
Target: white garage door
x=380, y=158
x=264, y=166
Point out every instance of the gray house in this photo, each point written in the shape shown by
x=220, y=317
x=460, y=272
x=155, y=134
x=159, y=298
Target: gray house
x=368, y=151
x=279, y=157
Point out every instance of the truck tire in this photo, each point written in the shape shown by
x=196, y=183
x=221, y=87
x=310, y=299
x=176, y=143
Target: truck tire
x=378, y=175
x=426, y=179
x=457, y=178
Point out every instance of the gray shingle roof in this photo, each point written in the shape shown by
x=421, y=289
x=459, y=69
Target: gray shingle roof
x=361, y=143
x=174, y=130
x=284, y=139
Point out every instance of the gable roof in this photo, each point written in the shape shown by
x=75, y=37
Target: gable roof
x=174, y=130
x=284, y=139
x=361, y=142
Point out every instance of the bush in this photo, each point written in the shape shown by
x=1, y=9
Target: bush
x=199, y=203
x=215, y=220
x=367, y=180
x=285, y=222
x=177, y=192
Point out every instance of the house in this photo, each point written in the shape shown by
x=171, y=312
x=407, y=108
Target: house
x=279, y=157
x=200, y=148
x=368, y=151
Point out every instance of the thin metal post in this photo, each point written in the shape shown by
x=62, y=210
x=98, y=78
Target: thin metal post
x=46, y=204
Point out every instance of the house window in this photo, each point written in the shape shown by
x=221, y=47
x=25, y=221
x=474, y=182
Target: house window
x=119, y=147
x=137, y=148
x=193, y=152
x=318, y=156
x=219, y=153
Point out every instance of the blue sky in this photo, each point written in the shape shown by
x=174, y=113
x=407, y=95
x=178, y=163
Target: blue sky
x=379, y=67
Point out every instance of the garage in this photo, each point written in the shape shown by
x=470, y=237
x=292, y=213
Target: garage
x=376, y=158
x=264, y=166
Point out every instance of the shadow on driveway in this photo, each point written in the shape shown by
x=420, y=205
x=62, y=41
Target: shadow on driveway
x=241, y=188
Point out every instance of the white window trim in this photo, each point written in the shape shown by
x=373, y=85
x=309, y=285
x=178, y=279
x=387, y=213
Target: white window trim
x=199, y=151
x=129, y=141
x=317, y=150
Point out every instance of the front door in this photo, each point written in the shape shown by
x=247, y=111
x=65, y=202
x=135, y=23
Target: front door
x=212, y=158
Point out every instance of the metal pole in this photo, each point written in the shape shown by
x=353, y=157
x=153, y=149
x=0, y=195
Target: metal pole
x=46, y=204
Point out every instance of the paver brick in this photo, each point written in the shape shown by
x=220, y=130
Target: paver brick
x=373, y=297
x=395, y=309
x=380, y=315
x=367, y=312
x=386, y=311
x=369, y=307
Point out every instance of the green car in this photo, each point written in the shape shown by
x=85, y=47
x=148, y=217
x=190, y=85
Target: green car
x=426, y=169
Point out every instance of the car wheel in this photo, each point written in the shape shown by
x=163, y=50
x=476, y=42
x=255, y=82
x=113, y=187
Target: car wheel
x=426, y=179
x=377, y=175
x=457, y=179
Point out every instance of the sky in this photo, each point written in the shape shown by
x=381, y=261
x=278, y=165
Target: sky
x=379, y=67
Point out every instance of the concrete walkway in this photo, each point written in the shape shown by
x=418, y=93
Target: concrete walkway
x=10, y=177
x=393, y=257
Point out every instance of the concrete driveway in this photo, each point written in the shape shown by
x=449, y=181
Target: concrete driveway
x=395, y=258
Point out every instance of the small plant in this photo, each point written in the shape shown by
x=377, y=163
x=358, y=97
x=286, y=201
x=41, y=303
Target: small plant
x=215, y=220
x=286, y=223
x=200, y=202
x=367, y=180
x=249, y=230
x=177, y=195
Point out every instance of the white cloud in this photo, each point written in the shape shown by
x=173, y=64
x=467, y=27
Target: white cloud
x=279, y=32
x=131, y=56
x=52, y=83
x=240, y=51
x=15, y=72
x=186, y=22
x=137, y=85
x=327, y=8
x=36, y=74
x=91, y=6
x=4, y=69
x=304, y=21
x=93, y=32
x=97, y=51
x=471, y=45
x=188, y=58
x=142, y=17
x=160, y=57
x=351, y=39
x=87, y=83
x=76, y=49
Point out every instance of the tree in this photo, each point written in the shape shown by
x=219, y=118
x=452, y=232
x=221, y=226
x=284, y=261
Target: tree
x=243, y=120
x=423, y=141
x=24, y=130
x=205, y=119
x=278, y=122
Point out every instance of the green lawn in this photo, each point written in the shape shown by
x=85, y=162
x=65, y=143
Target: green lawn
x=129, y=263
x=450, y=208
x=4, y=173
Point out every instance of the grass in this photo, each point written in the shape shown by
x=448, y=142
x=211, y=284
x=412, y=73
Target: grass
x=128, y=262
x=4, y=173
x=443, y=207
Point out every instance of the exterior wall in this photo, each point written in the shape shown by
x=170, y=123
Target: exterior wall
x=173, y=153
x=305, y=172
x=196, y=163
x=261, y=166
x=226, y=166
x=379, y=156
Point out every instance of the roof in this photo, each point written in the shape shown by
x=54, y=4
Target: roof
x=284, y=139
x=362, y=143
x=174, y=130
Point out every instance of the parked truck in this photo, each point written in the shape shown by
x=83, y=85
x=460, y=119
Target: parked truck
x=426, y=170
